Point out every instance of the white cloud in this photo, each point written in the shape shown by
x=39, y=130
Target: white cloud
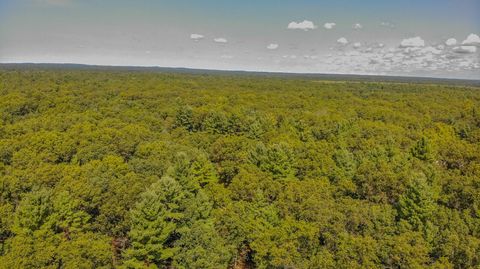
x=220, y=40
x=465, y=49
x=272, y=46
x=431, y=50
x=304, y=25
x=357, y=26
x=329, y=25
x=411, y=50
x=412, y=42
x=196, y=37
x=387, y=24
x=357, y=45
x=472, y=39
x=310, y=57
x=419, y=60
x=451, y=42
x=226, y=57
x=342, y=41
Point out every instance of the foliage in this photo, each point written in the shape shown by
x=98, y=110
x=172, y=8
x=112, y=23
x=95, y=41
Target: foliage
x=119, y=169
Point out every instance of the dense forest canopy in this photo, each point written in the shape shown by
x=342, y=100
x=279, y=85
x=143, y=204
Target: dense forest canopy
x=113, y=169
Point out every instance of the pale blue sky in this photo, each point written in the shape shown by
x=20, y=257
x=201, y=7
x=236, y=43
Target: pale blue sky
x=157, y=32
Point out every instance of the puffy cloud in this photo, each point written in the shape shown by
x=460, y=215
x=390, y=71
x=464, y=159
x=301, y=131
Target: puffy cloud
x=342, y=41
x=196, y=37
x=472, y=39
x=220, y=40
x=451, y=42
x=357, y=45
x=411, y=50
x=402, y=61
x=357, y=26
x=431, y=50
x=310, y=57
x=272, y=46
x=304, y=25
x=465, y=49
x=387, y=24
x=329, y=25
x=412, y=42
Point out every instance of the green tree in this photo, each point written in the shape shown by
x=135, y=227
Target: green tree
x=423, y=150
x=201, y=247
x=154, y=222
x=203, y=171
x=276, y=159
x=417, y=204
x=67, y=216
x=33, y=212
x=184, y=118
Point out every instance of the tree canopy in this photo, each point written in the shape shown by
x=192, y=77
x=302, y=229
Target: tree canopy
x=124, y=169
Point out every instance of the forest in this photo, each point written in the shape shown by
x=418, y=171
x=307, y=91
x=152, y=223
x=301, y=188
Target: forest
x=132, y=169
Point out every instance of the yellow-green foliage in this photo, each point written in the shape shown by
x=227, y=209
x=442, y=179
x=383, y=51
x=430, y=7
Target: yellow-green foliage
x=112, y=169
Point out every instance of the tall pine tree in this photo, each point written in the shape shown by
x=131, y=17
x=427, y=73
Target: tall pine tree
x=154, y=223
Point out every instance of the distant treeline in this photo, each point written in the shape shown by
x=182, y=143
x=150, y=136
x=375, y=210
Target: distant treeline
x=251, y=74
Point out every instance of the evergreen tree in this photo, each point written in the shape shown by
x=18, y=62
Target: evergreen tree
x=422, y=150
x=181, y=172
x=203, y=171
x=154, y=222
x=417, y=204
x=66, y=216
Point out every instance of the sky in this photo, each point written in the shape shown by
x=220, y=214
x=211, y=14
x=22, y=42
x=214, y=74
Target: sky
x=436, y=38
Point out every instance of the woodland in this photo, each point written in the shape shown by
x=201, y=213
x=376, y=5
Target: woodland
x=131, y=169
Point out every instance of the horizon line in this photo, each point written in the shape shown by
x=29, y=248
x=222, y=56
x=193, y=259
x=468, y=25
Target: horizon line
x=245, y=71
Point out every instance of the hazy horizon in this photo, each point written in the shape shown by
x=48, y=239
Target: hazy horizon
x=404, y=38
